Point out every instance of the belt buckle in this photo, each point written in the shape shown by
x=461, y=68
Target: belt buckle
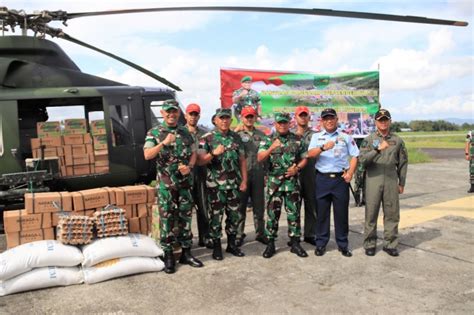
x=332, y=175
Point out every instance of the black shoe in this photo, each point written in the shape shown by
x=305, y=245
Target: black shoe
x=205, y=242
x=170, y=263
x=262, y=239
x=289, y=243
x=370, y=251
x=270, y=250
x=232, y=248
x=320, y=250
x=188, y=259
x=296, y=247
x=239, y=241
x=346, y=252
x=391, y=251
x=217, y=249
x=471, y=190
x=310, y=240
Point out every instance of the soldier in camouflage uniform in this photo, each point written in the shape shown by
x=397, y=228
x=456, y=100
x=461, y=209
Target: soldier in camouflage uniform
x=469, y=152
x=384, y=156
x=175, y=153
x=193, y=112
x=251, y=138
x=245, y=96
x=287, y=156
x=226, y=178
x=307, y=175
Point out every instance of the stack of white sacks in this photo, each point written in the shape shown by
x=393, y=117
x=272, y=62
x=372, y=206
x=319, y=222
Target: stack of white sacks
x=49, y=263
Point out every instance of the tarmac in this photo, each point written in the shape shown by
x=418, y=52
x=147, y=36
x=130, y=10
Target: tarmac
x=433, y=274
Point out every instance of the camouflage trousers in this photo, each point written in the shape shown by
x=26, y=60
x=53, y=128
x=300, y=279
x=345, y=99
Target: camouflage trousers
x=220, y=202
x=175, y=217
x=292, y=202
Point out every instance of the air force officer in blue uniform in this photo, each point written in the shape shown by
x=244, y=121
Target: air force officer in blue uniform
x=334, y=171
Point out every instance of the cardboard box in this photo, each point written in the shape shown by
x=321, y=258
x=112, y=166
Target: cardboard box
x=48, y=152
x=23, y=237
x=48, y=129
x=98, y=127
x=101, y=155
x=127, y=195
x=73, y=139
x=87, y=138
x=134, y=225
x=79, y=159
x=75, y=126
x=142, y=210
x=20, y=220
x=48, y=142
x=91, y=198
x=43, y=202
x=100, y=142
x=101, y=170
x=78, y=170
x=101, y=163
x=75, y=149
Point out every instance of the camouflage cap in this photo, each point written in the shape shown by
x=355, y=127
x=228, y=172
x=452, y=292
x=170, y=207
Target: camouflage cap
x=221, y=112
x=247, y=78
x=170, y=104
x=282, y=117
x=382, y=113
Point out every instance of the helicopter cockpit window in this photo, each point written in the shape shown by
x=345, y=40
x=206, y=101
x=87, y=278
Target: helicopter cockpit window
x=120, y=118
x=156, y=117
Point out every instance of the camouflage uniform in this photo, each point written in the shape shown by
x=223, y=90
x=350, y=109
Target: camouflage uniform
x=470, y=140
x=199, y=190
x=255, y=182
x=280, y=189
x=174, y=190
x=251, y=99
x=385, y=171
x=223, y=181
x=307, y=180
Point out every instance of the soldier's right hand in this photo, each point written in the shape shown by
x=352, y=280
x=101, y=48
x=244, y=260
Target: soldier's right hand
x=276, y=144
x=170, y=138
x=329, y=145
x=219, y=150
x=383, y=145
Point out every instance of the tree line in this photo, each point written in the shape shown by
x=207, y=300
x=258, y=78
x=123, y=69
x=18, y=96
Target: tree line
x=430, y=125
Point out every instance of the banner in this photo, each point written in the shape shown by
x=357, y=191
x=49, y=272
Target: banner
x=354, y=96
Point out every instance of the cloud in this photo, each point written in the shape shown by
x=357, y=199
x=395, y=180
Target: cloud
x=410, y=69
x=425, y=108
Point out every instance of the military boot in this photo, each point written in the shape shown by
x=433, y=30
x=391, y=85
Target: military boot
x=232, y=247
x=188, y=259
x=296, y=247
x=217, y=249
x=471, y=190
x=270, y=250
x=170, y=263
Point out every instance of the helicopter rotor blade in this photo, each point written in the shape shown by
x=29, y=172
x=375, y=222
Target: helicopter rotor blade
x=65, y=36
x=319, y=12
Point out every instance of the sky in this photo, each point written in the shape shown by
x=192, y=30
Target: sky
x=426, y=71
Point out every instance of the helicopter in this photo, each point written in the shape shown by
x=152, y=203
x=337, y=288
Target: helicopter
x=37, y=78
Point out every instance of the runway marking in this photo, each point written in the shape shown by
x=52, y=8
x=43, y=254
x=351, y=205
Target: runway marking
x=463, y=207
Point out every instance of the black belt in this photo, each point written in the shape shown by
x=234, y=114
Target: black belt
x=330, y=175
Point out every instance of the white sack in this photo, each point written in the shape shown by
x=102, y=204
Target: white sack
x=41, y=278
x=119, y=246
x=120, y=267
x=25, y=257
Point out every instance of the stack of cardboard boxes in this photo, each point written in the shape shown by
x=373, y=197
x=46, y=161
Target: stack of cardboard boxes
x=41, y=212
x=78, y=152
x=101, y=154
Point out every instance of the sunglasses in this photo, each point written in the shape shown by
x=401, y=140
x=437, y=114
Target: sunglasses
x=193, y=114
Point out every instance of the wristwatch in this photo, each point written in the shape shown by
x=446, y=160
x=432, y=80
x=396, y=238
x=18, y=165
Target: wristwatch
x=298, y=168
x=322, y=148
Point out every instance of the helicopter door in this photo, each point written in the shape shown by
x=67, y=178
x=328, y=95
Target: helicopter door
x=9, y=138
x=121, y=148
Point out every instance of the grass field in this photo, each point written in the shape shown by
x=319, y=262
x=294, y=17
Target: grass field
x=435, y=139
